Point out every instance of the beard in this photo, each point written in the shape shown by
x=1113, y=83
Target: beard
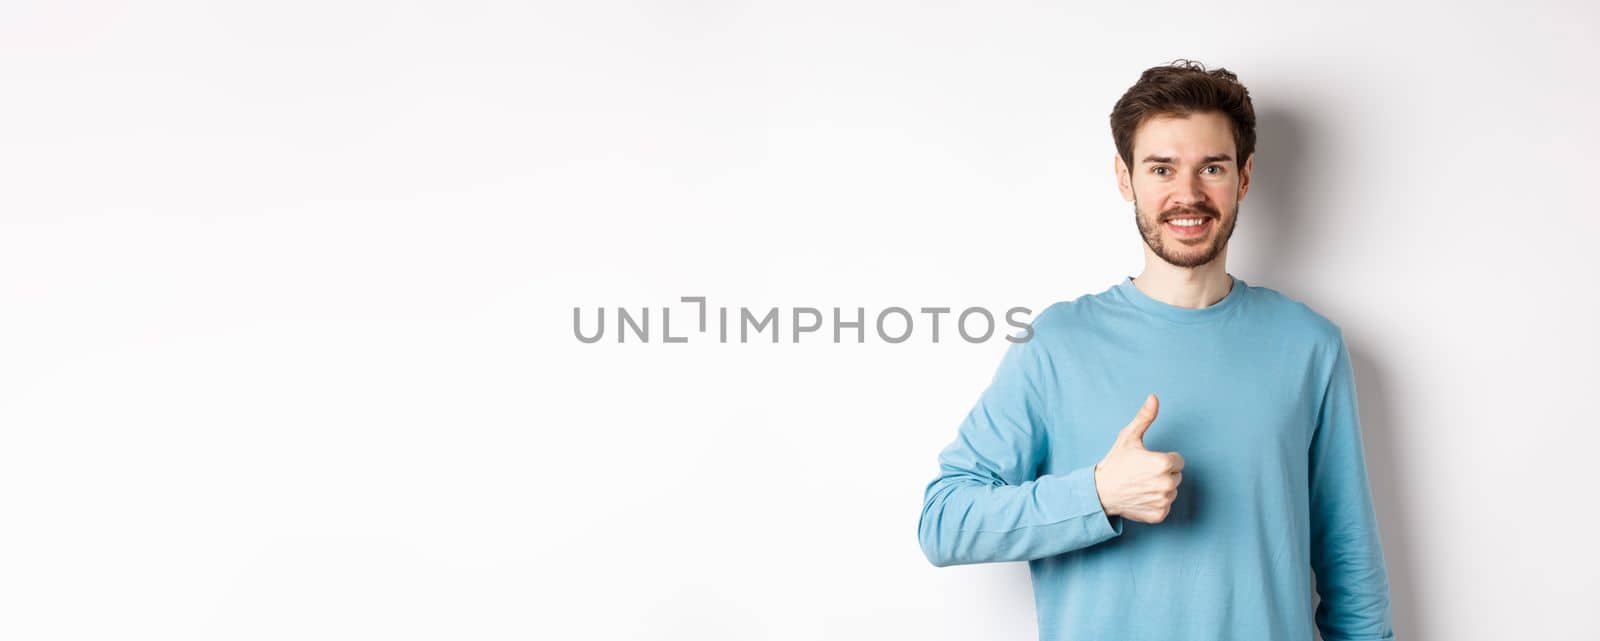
x=1182, y=255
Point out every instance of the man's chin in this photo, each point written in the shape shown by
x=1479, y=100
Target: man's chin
x=1194, y=258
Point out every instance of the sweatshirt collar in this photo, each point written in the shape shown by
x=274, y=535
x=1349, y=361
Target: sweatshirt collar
x=1216, y=310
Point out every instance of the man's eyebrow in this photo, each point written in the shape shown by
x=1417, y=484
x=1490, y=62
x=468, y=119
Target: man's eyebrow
x=1169, y=160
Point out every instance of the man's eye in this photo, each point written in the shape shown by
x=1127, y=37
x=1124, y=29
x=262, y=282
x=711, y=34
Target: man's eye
x=1159, y=171
x=1218, y=168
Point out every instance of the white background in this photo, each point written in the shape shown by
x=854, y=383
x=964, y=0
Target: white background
x=286, y=296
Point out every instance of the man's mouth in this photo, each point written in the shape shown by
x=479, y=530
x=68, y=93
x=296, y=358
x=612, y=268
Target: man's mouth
x=1188, y=226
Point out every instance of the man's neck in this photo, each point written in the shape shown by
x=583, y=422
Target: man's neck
x=1191, y=288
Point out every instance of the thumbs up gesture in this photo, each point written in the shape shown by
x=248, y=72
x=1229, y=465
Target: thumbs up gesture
x=1135, y=482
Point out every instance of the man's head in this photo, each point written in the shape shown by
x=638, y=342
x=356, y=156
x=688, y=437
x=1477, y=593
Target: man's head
x=1186, y=142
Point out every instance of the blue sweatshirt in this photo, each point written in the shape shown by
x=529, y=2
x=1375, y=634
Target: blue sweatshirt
x=1256, y=393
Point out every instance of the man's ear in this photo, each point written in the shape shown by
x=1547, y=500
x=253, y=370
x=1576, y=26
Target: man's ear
x=1244, y=175
x=1124, y=177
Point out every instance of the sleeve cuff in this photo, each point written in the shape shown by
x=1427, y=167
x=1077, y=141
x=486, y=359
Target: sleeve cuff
x=1073, y=496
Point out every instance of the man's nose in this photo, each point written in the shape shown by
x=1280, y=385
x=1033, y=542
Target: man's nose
x=1188, y=192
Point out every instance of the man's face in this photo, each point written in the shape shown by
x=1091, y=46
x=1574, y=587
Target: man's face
x=1185, y=186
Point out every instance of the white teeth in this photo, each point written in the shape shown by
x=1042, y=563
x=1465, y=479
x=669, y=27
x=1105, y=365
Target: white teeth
x=1187, y=222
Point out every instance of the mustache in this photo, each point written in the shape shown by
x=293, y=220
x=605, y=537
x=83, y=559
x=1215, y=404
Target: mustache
x=1191, y=212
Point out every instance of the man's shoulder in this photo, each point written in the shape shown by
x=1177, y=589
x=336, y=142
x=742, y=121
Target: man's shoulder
x=1290, y=314
x=1066, y=317
x=1067, y=313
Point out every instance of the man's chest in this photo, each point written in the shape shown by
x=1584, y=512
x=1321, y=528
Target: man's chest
x=1219, y=404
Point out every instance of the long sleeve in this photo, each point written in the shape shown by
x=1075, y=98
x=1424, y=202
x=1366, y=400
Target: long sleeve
x=1346, y=551
x=987, y=503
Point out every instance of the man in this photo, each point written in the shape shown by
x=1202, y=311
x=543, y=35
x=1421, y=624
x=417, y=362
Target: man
x=1202, y=517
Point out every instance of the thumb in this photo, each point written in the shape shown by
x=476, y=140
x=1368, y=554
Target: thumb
x=1133, y=433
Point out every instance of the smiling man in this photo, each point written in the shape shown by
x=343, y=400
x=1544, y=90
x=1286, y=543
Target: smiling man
x=1176, y=455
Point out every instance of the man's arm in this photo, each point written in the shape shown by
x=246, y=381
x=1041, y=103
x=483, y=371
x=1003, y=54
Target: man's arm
x=988, y=504
x=1346, y=552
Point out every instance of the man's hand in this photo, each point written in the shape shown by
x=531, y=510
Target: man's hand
x=1135, y=482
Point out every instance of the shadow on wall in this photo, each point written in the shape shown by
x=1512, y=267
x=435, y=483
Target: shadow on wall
x=1389, y=495
x=1276, y=204
x=1276, y=210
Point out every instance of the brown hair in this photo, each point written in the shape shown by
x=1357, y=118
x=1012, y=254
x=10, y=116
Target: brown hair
x=1181, y=88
